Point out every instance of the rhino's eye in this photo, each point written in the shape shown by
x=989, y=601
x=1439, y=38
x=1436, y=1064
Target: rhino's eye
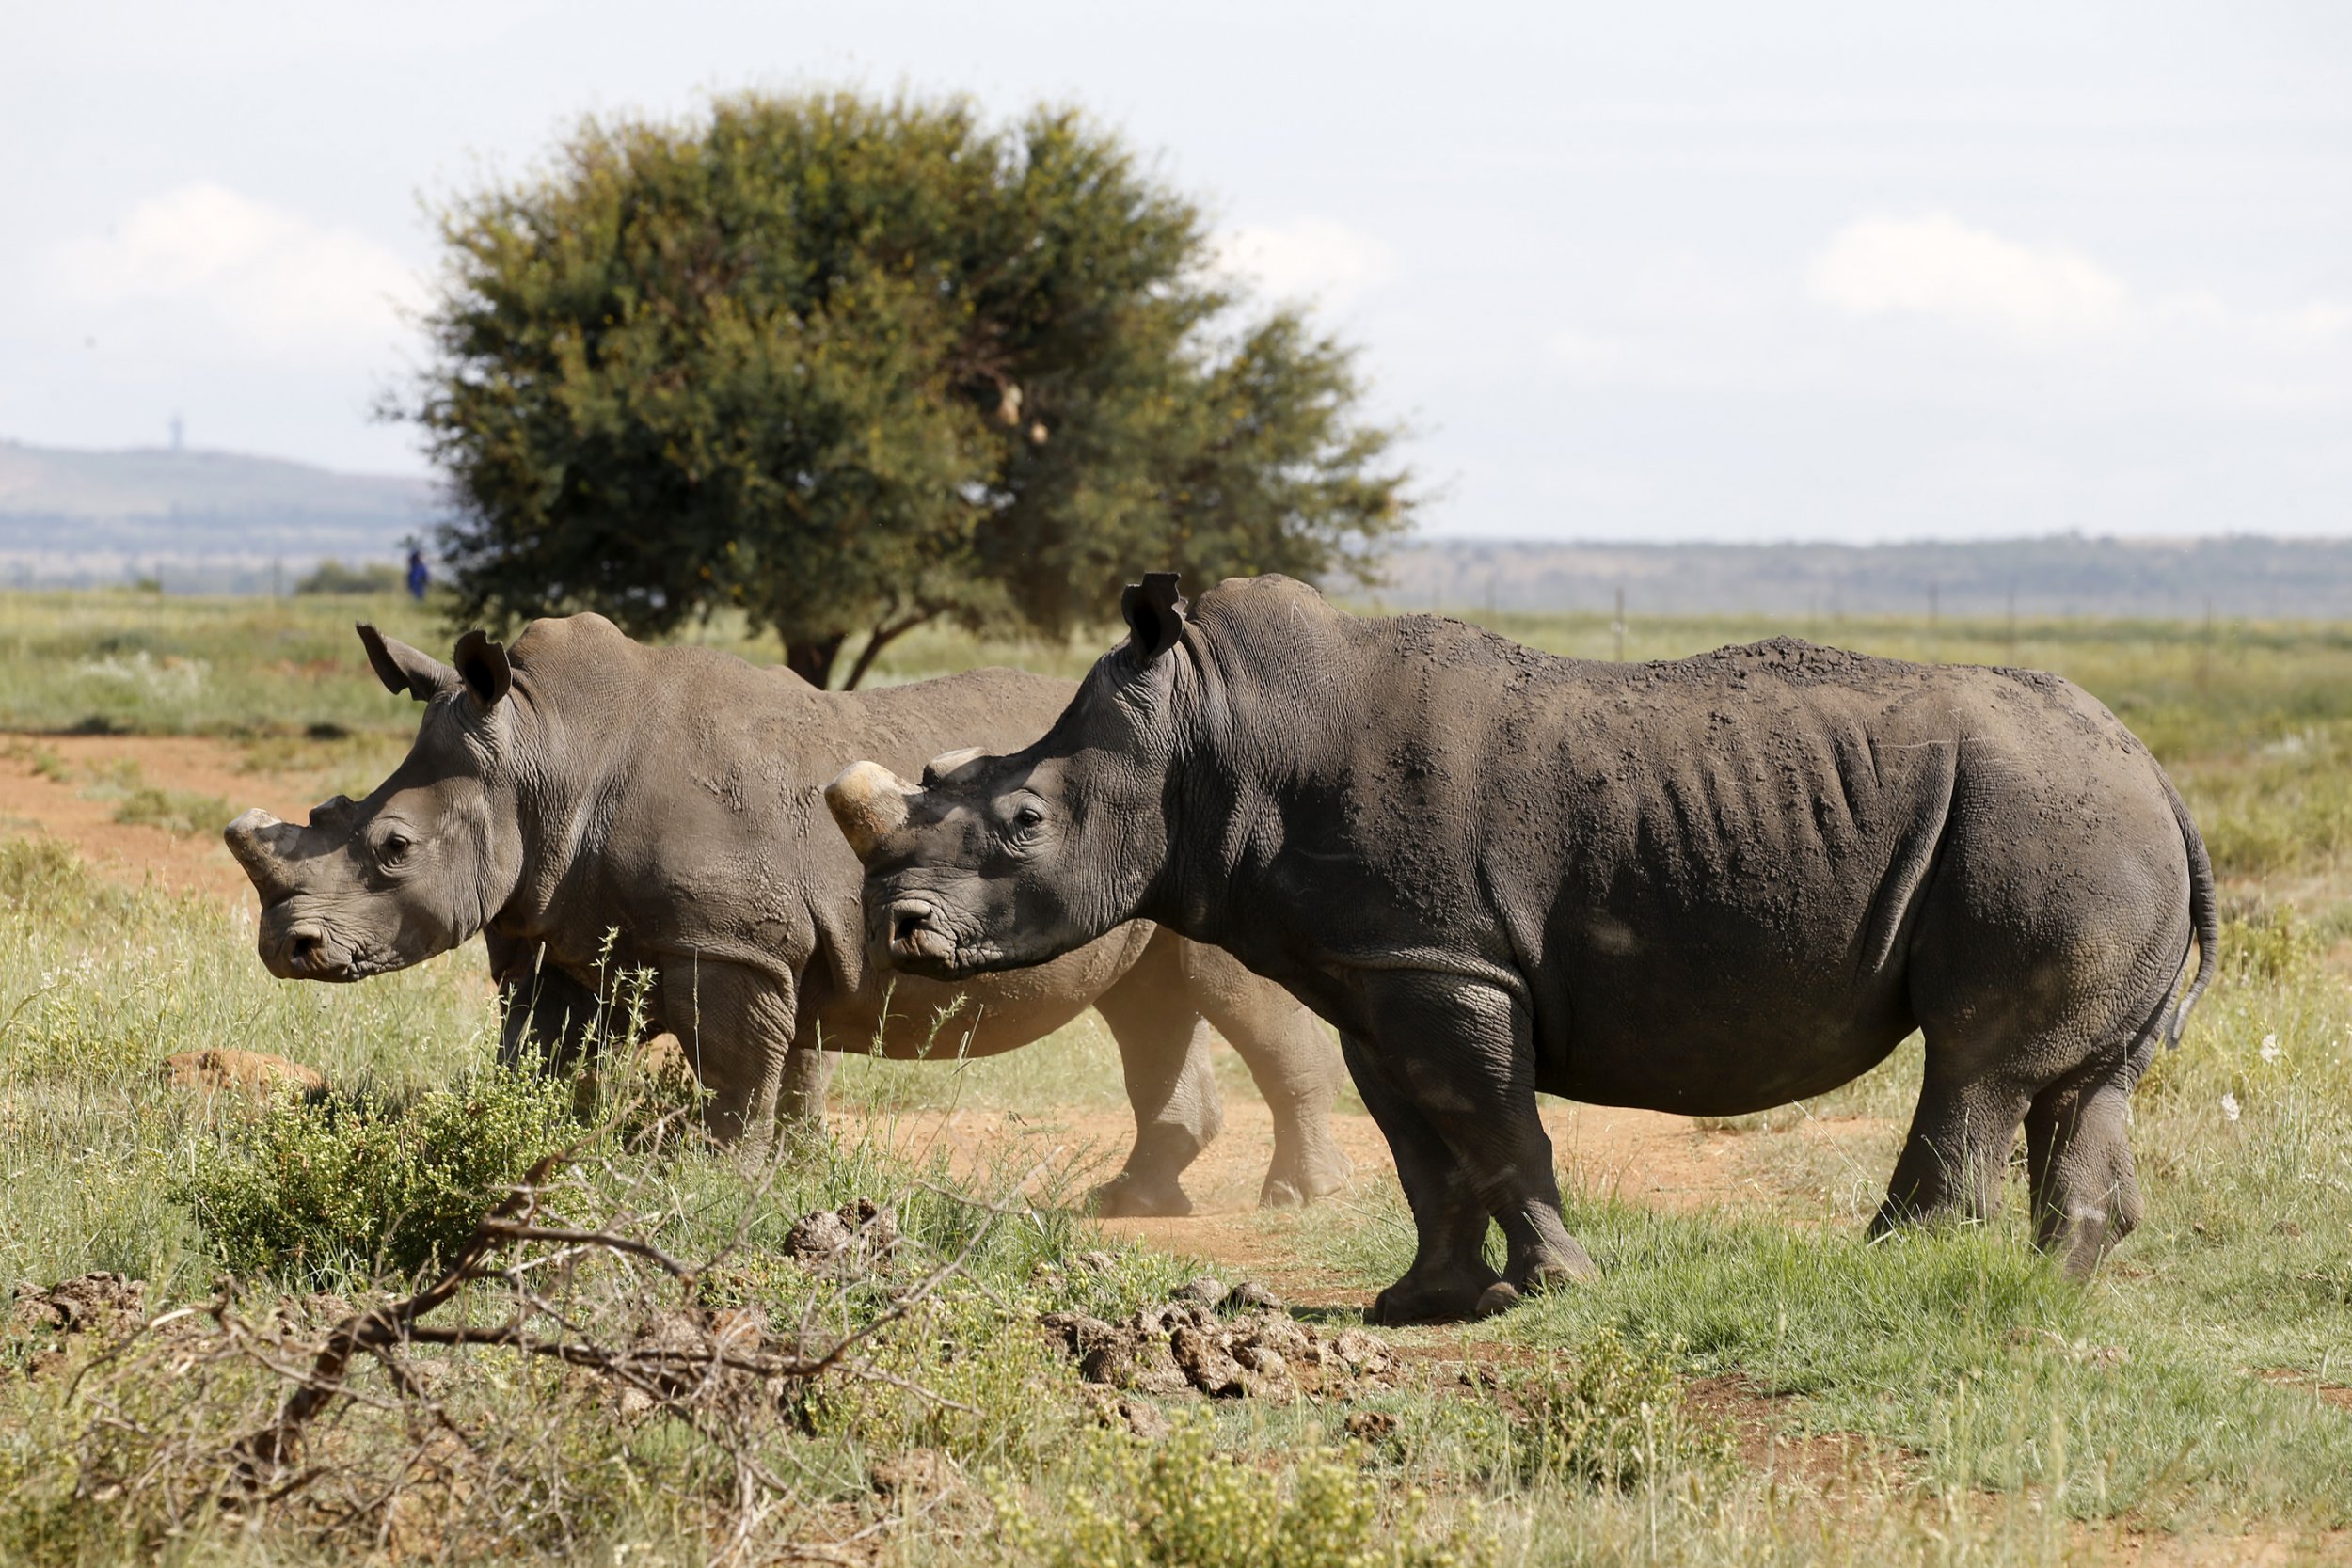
x=1026, y=820
x=396, y=846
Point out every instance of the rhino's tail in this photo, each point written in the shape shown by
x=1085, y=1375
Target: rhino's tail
x=2205, y=918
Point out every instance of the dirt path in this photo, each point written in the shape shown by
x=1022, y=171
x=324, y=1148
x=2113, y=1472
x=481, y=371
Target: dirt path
x=1646, y=1158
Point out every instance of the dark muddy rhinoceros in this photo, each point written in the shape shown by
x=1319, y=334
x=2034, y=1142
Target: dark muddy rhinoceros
x=1706, y=886
x=587, y=784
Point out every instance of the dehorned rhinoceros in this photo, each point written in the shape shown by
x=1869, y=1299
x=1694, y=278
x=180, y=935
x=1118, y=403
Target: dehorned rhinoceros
x=588, y=784
x=1706, y=886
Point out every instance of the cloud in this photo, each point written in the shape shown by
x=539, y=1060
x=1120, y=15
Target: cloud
x=1310, y=258
x=1969, y=278
x=202, y=261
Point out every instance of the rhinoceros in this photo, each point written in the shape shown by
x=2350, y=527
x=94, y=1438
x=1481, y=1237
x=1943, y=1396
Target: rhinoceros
x=586, y=784
x=1710, y=886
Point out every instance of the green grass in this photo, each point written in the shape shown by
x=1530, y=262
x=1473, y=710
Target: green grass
x=1961, y=1404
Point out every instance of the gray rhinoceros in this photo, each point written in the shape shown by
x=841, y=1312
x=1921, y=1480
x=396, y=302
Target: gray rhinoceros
x=587, y=784
x=1706, y=886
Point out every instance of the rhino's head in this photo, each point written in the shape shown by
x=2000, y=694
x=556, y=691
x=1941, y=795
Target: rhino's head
x=423, y=863
x=1002, y=861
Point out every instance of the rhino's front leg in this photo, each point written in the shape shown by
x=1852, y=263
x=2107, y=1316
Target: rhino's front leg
x=1449, y=1274
x=807, y=1078
x=734, y=1023
x=1460, y=1057
x=549, y=1021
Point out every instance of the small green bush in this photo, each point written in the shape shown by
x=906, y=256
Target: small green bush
x=185, y=812
x=1180, y=1504
x=371, y=577
x=2270, y=944
x=313, y=1189
x=1613, y=1417
x=39, y=871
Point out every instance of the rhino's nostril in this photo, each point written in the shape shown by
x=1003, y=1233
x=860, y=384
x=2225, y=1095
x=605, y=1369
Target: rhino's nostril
x=302, y=946
x=909, y=924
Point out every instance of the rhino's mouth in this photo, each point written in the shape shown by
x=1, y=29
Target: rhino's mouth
x=310, y=950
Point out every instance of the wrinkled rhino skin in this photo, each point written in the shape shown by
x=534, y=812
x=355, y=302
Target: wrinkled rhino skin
x=1709, y=886
x=587, y=782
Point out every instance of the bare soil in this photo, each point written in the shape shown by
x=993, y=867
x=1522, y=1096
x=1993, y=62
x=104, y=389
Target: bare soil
x=136, y=852
x=1643, y=1157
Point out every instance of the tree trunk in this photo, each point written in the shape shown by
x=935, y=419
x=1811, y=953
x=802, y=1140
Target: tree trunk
x=813, y=661
x=880, y=637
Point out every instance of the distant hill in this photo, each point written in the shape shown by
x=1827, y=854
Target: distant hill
x=2236, y=575
x=215, y=521
x=206, y=520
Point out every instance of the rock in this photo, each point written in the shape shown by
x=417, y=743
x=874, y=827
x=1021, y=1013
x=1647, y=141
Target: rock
x=103, y=1303
x=1206, y=1364
x=1256, y=1297
x=1370, y=1426
x=675, y=1352
x=818, y=1238
x=1179, y=1347
x=1079, y=1332
x=1100, y=1263
x=915, y=1476
x=1207, y=1292
x=1137, y=1415
x=1154, y=1369
x=82, y=1304
x=248, y=1072
x=1143, y=1419
x=861, y=1231
x=1262, y=1359
x=1365, y=1355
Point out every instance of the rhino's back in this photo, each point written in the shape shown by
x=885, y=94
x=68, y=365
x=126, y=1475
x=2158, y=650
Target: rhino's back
x=696, y=780
x=1707, y=869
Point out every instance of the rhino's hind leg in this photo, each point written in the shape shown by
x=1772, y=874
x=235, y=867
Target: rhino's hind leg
x=2086, y=1194
x=1959, y=1141
x=1295, y=1065
x=734, y=1024
x=1164, y=1052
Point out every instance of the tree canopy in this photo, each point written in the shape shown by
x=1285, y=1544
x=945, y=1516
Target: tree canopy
x=852, y=365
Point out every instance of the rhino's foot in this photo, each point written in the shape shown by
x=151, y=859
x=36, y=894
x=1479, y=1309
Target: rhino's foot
x=1294, y=1187
x=1127, y=1196
x=2079, y=1236
x=1570, y=1265
x=1433, y=1301
x=1503, y=1295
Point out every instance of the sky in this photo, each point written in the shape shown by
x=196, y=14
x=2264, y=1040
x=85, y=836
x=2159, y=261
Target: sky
x=1849, y=272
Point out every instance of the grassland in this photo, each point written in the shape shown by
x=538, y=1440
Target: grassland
x=1748, y=1381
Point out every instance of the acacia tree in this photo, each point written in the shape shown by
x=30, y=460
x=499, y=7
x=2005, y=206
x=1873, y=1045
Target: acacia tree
x=852, y=366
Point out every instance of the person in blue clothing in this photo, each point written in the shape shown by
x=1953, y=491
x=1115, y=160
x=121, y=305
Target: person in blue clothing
x=420, y=577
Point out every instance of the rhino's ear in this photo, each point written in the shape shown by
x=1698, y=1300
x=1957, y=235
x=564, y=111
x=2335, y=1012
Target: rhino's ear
x=1154, y=615
x=482, y=665
x=402, y=668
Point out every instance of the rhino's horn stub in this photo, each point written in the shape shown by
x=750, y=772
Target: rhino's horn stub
x=947, y=762
x=868, y=802
x=248, y=840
